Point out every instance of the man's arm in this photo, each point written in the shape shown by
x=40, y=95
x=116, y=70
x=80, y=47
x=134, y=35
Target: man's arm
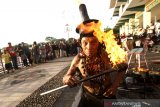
x=69, y=78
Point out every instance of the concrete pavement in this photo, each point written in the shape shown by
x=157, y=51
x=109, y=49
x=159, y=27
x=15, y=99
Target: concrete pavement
x=17, y=87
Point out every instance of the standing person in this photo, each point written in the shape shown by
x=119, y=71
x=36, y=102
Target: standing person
x=62, y=47
x=129, y=42
x=42, y=52
x=158, y=30
x=145, y=43
x=138, y=44
x=124, y=42
x=7, y=60
x=90, y=61
x=67, y=48
x=56, y=49
x=22, y=55
x=35, y=52
x=27, y=52
x=151, y=31
x=13, y=55
x=48, y=51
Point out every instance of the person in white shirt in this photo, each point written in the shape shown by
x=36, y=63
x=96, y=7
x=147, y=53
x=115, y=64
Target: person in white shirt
x=151, y=30
x=158, y=28
x=124, y=42
x=138, y=44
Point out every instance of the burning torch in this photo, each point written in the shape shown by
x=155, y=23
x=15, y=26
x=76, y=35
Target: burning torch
x=118, y=68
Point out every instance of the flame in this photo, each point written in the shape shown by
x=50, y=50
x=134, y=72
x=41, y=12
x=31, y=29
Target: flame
x=142, y=69
x=116, y=54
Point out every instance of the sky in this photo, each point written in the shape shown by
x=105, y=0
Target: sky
x=34, y=20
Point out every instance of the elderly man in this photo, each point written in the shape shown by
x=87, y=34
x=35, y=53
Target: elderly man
x=90, y=61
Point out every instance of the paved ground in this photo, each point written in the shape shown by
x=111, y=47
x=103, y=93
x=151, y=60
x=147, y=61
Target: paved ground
x=16, y=87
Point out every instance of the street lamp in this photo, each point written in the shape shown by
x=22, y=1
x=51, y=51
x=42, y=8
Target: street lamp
x=68, y=29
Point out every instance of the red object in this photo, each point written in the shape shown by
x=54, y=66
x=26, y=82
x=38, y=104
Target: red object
x=11, y=51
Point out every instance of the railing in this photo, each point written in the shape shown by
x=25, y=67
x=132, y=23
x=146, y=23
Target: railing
x=123, y=10
x=2, y=69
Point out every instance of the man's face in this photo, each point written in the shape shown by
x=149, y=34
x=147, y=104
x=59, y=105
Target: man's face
x=89, y=45
x=9, y=44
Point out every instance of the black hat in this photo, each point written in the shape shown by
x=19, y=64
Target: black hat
x=85, y=29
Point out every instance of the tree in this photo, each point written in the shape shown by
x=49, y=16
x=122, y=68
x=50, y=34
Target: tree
x=50, y=39
x=116, y=31
x=107, y=29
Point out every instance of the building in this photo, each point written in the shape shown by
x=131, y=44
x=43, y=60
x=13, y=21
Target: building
x=134, y=14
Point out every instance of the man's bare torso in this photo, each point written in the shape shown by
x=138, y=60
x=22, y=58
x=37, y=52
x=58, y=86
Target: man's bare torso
x=93, y=66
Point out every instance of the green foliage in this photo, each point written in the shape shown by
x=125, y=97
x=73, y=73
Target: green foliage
x=107, y=29
x=50, y=39
x=116, y=31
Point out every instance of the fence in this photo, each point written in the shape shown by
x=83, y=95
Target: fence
x=2, y=69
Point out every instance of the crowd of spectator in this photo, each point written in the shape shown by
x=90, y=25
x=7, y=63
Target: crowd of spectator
x=24, y=55
x=144, y=38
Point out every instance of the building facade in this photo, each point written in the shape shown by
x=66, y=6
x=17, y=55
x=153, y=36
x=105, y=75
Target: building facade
x=132, y=15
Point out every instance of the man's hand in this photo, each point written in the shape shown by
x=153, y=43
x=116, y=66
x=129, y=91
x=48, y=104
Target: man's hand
x=110, y=92
x=70, y=80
